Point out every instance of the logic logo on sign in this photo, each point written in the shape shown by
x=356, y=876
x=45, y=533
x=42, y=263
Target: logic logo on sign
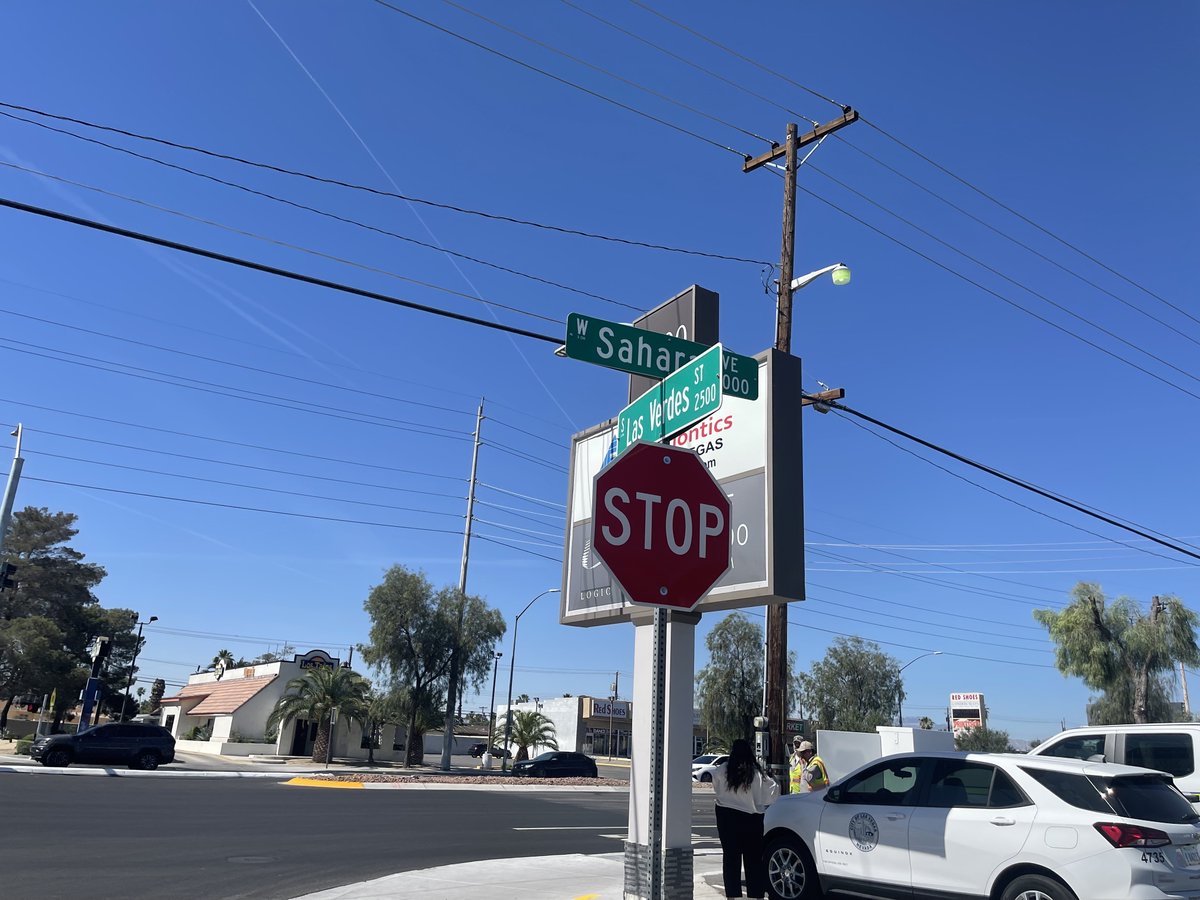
x=864, y=832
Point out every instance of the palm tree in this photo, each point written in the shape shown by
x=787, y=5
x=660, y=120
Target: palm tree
x=382, y=709
x=926, y=723
x=531, y=729
x=315, y=694
x=223, y=657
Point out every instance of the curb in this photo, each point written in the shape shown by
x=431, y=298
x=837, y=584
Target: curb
x=450, y=786
x=134, y=773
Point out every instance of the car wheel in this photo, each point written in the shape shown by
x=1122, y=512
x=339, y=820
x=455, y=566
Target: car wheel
x=791, y=874
x=57, y=759
x=706, y=777
x=147, y=760
x=1037, y=887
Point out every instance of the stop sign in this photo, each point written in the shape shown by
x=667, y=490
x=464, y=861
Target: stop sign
x=661, y=525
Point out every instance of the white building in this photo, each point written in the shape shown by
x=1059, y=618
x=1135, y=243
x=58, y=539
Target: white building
x=225, y=712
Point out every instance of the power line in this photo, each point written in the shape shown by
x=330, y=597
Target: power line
x=252, y=487
x=609, y=73
x=554, y=559
x=217, y=440
x=274, y=512
x=271, y=270
x=558, y=506
x=957, y=615
x=528, y=457
x=1034, y=224
x=571, y=84
x=296, y=205
x=1000, y=274
x=1032, y=488
x=999, y=296
x=220, y=390
x=395, y=195
x=1042, y=256
x=740, y=56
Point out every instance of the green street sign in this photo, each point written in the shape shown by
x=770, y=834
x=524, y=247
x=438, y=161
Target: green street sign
x=642, y=352
x=689, y=394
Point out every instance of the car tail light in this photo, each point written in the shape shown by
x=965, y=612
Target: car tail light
x=1121, y=835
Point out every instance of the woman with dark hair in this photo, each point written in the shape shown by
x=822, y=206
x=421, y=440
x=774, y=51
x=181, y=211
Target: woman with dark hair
x=743, y=794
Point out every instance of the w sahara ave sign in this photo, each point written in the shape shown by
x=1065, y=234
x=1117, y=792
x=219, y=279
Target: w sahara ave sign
x=661, y=525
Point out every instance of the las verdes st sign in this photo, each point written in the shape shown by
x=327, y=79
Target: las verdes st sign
x=642, y=352
x=687, y=395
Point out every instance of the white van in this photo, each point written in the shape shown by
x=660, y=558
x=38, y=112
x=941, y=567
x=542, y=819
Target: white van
x=1172, y=747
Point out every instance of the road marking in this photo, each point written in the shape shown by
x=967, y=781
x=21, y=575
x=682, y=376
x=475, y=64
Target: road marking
x=587, y=897
x=325, y=782
x=561, y=827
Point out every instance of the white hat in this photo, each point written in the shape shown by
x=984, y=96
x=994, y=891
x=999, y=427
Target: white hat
x=806, y=745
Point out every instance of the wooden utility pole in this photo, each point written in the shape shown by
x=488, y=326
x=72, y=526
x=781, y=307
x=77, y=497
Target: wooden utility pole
x=777, y=650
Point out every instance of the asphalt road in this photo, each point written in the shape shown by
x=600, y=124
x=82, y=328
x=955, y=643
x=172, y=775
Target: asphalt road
x=149, y=837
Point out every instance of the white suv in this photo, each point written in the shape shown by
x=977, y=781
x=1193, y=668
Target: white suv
x=989, y=826
x=1172, y=747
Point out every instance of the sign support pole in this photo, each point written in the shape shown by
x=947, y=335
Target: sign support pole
x=658, y=711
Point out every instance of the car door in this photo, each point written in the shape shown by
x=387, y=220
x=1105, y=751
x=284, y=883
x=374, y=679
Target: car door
x=862, y=839
x=971, y=818
x=96, y=745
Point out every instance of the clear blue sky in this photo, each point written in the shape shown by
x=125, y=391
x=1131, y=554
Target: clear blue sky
x=1081, y=123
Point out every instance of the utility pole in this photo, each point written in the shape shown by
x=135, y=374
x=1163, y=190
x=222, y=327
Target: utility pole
x=456, y=651
x=10, y=489
x=777, y=650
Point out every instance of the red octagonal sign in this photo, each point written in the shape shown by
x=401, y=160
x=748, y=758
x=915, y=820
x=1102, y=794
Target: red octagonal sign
x=661, y=525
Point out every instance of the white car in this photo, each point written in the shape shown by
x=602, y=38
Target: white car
x=704, y=766
x=989, y=826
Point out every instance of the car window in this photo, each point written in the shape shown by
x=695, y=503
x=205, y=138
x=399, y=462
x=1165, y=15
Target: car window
x=1071, y=788
x=886, y=784
x=1005, y=793
x=1150, y=797
x=1170, y=752
x=1083, y=746
x=549, y=754
x=702, y=760
x=958, y=783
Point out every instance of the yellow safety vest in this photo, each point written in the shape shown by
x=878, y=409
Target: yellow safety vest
x=820, y=777
x=796, y=778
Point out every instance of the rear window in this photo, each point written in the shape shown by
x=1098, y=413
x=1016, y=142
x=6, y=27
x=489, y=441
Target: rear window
x=1151, y=798
x=1166, y=752
x=1085, y=746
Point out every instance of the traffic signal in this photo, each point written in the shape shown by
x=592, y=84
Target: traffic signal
x=8, y=577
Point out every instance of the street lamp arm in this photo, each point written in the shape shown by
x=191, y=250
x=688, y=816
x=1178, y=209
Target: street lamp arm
x=922, y=656
x=805, y=280
x=512, y=668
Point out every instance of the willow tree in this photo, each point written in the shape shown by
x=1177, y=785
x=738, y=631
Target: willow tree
x=729, y=687
x=1119, y=648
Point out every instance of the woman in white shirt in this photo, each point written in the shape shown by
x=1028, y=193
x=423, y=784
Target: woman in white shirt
x=743, y=794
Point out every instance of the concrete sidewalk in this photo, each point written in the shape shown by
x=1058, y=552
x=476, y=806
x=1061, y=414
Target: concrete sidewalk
x=572, y=877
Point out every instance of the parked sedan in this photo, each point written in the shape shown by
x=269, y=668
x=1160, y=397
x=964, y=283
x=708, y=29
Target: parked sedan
x=557, y=764
x=132, y=744
x=498, y=752
x=998, y=826
x=704, y=766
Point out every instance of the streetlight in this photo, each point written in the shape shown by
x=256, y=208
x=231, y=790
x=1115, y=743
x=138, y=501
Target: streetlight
x=487, y=751
x=900, y=685
x=512, y=663
x=136, y=648
x=840, y=271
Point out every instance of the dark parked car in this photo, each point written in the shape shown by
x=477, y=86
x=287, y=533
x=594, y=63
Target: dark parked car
x=557, y=764
x=134, y=744
x=498, y=752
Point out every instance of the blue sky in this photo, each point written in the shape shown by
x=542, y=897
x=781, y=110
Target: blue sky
x=141, y=371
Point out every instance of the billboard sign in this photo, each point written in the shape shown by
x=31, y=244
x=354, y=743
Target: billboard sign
x=752, y=448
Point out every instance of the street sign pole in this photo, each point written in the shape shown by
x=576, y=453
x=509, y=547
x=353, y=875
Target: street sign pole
x=658, y=740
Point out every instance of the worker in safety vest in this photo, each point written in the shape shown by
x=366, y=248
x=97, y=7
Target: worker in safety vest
x=809, y=773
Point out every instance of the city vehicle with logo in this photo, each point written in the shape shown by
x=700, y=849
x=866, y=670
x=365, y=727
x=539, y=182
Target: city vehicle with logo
x=1172, y=747
x=934, y=826
x=132, y=744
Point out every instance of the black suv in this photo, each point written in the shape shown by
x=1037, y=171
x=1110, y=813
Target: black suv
x=557, y=763
x=123, y=743
x=481, y=748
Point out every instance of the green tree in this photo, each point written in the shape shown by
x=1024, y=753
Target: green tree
x=157, y=689
x=531, y=729
x=1121, y=650
x=223, y=657
x=315, y=694
x=55, y=584
x=31, y=656
x=382, y=709
x=414, y=633
x=729, y=687
x=521, y=698
x=853, y=688
x=983, y=740
x=926, y=723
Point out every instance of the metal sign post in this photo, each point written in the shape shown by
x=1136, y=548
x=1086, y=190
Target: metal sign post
x=658, y=739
